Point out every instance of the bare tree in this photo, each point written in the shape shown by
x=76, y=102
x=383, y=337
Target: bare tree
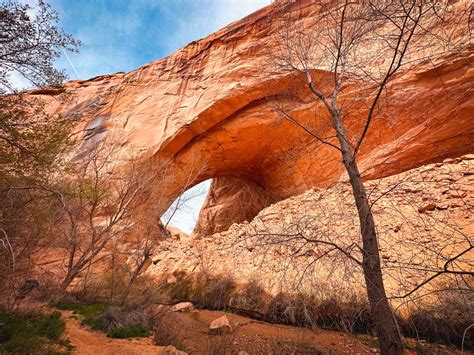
x=97, y=203
x=30, y=41
x=152, y=227
x=345, y=60
x=32, y=143
x=310, y=244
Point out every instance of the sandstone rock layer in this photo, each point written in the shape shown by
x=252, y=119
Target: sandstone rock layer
x=206, y=104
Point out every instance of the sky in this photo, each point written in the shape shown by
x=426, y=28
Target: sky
x=119, y=35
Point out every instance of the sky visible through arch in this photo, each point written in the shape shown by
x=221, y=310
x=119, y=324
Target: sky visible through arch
x=120, y=35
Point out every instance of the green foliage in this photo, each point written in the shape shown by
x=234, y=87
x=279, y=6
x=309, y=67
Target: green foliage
x=91, y=312
x=115, y=321
x=31, y=141
x=32, y=333
x=129, y=331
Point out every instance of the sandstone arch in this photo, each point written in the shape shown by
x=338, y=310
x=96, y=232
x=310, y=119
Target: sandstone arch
x=210, y=98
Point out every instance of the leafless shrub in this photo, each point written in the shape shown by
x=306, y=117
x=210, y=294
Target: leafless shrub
x=220, y=344
x=115, y=317
x=168, y=331
x=446, y=319
x=251, y=297
x=214, y=292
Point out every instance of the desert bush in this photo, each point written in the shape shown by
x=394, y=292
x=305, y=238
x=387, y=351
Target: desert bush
x=167, y=331
x=351, y=316
x=210, y=292
x=213, y=292
x=222, y=344
x=295, y=310
x=119, y=323
x=251, y=297
x=181, y=290
x=444, y=322
x=32, y=333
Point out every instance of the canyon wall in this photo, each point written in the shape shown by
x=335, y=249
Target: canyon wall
x=207, y=105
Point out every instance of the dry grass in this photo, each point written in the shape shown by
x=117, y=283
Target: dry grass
x=220, y=344
x=168, y=331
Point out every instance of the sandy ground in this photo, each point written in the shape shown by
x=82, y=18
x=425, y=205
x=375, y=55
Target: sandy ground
x=88, y=342
x=255, y=337
x=249, y=337
x=192, y=327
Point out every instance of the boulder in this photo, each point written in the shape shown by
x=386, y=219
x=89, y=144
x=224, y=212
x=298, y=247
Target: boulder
x=182, y=307
x=220, y=326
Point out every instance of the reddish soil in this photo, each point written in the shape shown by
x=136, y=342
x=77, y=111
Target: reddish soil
x=190, y=333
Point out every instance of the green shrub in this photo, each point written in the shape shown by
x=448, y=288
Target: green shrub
x=32, y=333
x=115, y=321
x=91, y=312
x=51, y=326
x=129, y=331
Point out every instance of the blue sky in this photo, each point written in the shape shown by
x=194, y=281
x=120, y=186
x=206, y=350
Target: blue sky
x=119, y=35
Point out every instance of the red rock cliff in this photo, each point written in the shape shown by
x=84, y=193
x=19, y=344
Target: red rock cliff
x=206, y=102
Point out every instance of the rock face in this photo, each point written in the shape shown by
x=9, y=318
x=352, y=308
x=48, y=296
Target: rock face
x=271, y=250
x=206, y=104
x=230, y=200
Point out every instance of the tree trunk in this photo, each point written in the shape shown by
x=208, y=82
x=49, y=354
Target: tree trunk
x=382, y=315
x=70, y=276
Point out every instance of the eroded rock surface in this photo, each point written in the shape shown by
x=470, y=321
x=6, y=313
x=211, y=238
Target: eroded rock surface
x=230, y=200
x=277, y=247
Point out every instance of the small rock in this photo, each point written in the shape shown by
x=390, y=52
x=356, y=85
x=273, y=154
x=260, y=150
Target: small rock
x=182, y=307
x=171, y=279
x=428, y=207
x=458, y=203
x=442, y=206
x=220, y=326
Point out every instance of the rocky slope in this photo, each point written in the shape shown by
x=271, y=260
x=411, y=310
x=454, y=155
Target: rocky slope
x=424, y=217
x=206, y=105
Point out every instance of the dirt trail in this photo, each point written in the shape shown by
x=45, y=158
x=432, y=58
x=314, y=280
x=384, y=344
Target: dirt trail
x=190, y=333
x=88, y=342
x=249, y=335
